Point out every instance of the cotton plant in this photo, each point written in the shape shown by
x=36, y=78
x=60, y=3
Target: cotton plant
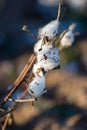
x=46, y=57
x=47, y=54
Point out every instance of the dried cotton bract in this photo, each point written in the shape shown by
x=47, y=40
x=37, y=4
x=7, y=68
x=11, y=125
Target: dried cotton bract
x=37, y=86
x=38, y=70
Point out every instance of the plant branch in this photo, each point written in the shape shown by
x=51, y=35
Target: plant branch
x=6, y=121
x=22, y=100
x=25, y=28
x=59, y=11
x=7, y=111
x=20, y=78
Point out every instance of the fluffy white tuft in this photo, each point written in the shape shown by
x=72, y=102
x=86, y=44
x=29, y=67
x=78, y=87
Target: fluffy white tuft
x=50, y=30
x=67, y=39
x=52, y=61
x=37, y=86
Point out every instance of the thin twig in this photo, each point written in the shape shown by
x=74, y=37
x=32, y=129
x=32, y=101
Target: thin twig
x=22, y=100
x=7, y=111
x=25, y=28
x=20, y=78
x=6, y=121
x=59, y=11
x=25, y=92
x=14, y=103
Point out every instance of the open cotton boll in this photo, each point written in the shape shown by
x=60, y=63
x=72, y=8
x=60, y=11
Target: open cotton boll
x=37, y=86
x=67, y=39
x=50, y=53
x=50, y=64
x=38, y=70
x=51, y=61
x=53, y=54
x=50, y=30
x=41, y=54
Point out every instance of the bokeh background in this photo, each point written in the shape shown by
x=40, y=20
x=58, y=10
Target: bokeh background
x=64, y=106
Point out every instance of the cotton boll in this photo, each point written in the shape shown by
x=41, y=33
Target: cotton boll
x=50, y=30
x=53, y=54
x=37, y=86
x=50, y=64
x=67, y=39
x=51, y=61
x=47, y=57
x=42, y=54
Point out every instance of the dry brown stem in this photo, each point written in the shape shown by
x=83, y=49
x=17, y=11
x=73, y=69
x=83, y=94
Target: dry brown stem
x=25, y=28
x=6, y=121
x=22, y=100
x=20, y=78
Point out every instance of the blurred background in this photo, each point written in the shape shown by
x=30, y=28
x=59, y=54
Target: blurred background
x=64, y=106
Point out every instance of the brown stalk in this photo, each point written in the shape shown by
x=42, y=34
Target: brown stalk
x=23, y=100
x=20, y=78
x=13, y=105
x=8, y=111
x=25, y=28
x=59, y=11
x=6, y=121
